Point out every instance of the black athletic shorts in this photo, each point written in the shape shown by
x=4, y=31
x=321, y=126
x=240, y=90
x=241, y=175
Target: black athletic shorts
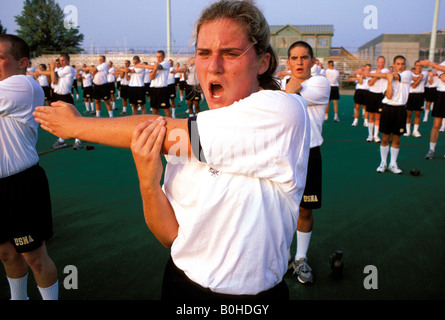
x=68, y=98
x=159, y=98
x=25, y=209
x=101, y=92
x=137, y=95
x=172, y=90
x=415, y=101
x=312, y=191
x=177, y=286
x=430, y=94
x=124, y=91
x=111, y=88
x=439, y=105
x=192, y=93
x=360, y=96
x=393, y=120
x=88, y=92
x=374, y=103
x=47, y=92
x=335, y=93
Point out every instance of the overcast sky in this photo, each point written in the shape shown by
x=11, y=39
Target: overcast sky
x=133, y=23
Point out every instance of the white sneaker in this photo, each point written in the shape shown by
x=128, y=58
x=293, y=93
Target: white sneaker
x=377, y=139
x=406, y=134
x=354, y=123
x=394, y=168
x=336, y=119
x=416, y=134
x=369, y=139
x=382, y=167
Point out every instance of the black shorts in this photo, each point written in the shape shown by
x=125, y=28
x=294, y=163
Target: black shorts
x=137, y=95
x=312, y=191
x=68, y=98
x=111, y=88
x=101, y=92
x=439, y=105
x=360, y=96
x=124, y=91
x=88, y=92
x=25, y=209
x=335, y=93
x=415, y=102
x=430, y=94
x=147, y=89
x=159, y=98
x=177, y=286
x=393, y=120
x=47, y=92
x=182, y=84
x=374, y=103
x=192, y=93
x=172, y=90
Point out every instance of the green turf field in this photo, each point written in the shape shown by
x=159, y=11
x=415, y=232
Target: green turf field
x=392, y=222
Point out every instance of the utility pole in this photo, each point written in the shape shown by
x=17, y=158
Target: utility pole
x=169, y=32
x=434, y=32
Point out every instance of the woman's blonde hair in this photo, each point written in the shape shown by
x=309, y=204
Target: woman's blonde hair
x=257, y=31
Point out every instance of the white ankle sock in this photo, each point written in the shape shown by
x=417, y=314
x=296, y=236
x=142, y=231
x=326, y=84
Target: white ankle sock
x=50, y=293
x=18, y=288
x=303, y=239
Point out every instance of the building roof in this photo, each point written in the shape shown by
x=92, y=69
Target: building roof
x=306, y=28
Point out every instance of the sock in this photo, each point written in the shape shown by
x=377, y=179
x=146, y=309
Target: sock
x=174, y=112
x=87, y=106
x=408, y=128
x=394, y=155
x=376, y=131
x=426, y=113
x=98, y=113
x=384, y=153
x=124, y=109
x=110, y=114
x=303, y=239
x=433, y=146
x=370, y=128
x=18, y=288
x=50, y=293
x=113, y=104
x=416, y=128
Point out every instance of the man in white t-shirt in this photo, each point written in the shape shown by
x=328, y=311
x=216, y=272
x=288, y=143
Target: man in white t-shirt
x=25, y=201
x=100, y=86
x=136, y=86
x=316, y=91
x=111, y=79
x=361, y=93
x=416, y=99
x=333, y=76
x=438, y=112
x=159, y=96
x=393, y=116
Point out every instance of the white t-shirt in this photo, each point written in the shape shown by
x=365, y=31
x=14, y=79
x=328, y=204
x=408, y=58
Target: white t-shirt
x=192, y=77
x=137, y=77
x=19, y=95
x=65, y=81
x=43, y=80
x=110, y=76
x=87, y=80
x=363, y=85
x=161, y=76
x=101, y=75
x=147, y=76
x=333, y=75
x=171, y=76
x=400, y=90
x=316, y=91
x=441, y=83
x=420, y=88
x=236, y=227
x=380, y=85
x=315, y=70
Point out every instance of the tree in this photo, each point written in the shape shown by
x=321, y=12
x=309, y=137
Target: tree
x=41, y=26
x=2, y=30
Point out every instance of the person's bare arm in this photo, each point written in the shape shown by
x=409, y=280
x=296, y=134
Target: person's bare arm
x=64, y=121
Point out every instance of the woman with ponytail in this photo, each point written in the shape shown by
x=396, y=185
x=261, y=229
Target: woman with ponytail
x=235, y=175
